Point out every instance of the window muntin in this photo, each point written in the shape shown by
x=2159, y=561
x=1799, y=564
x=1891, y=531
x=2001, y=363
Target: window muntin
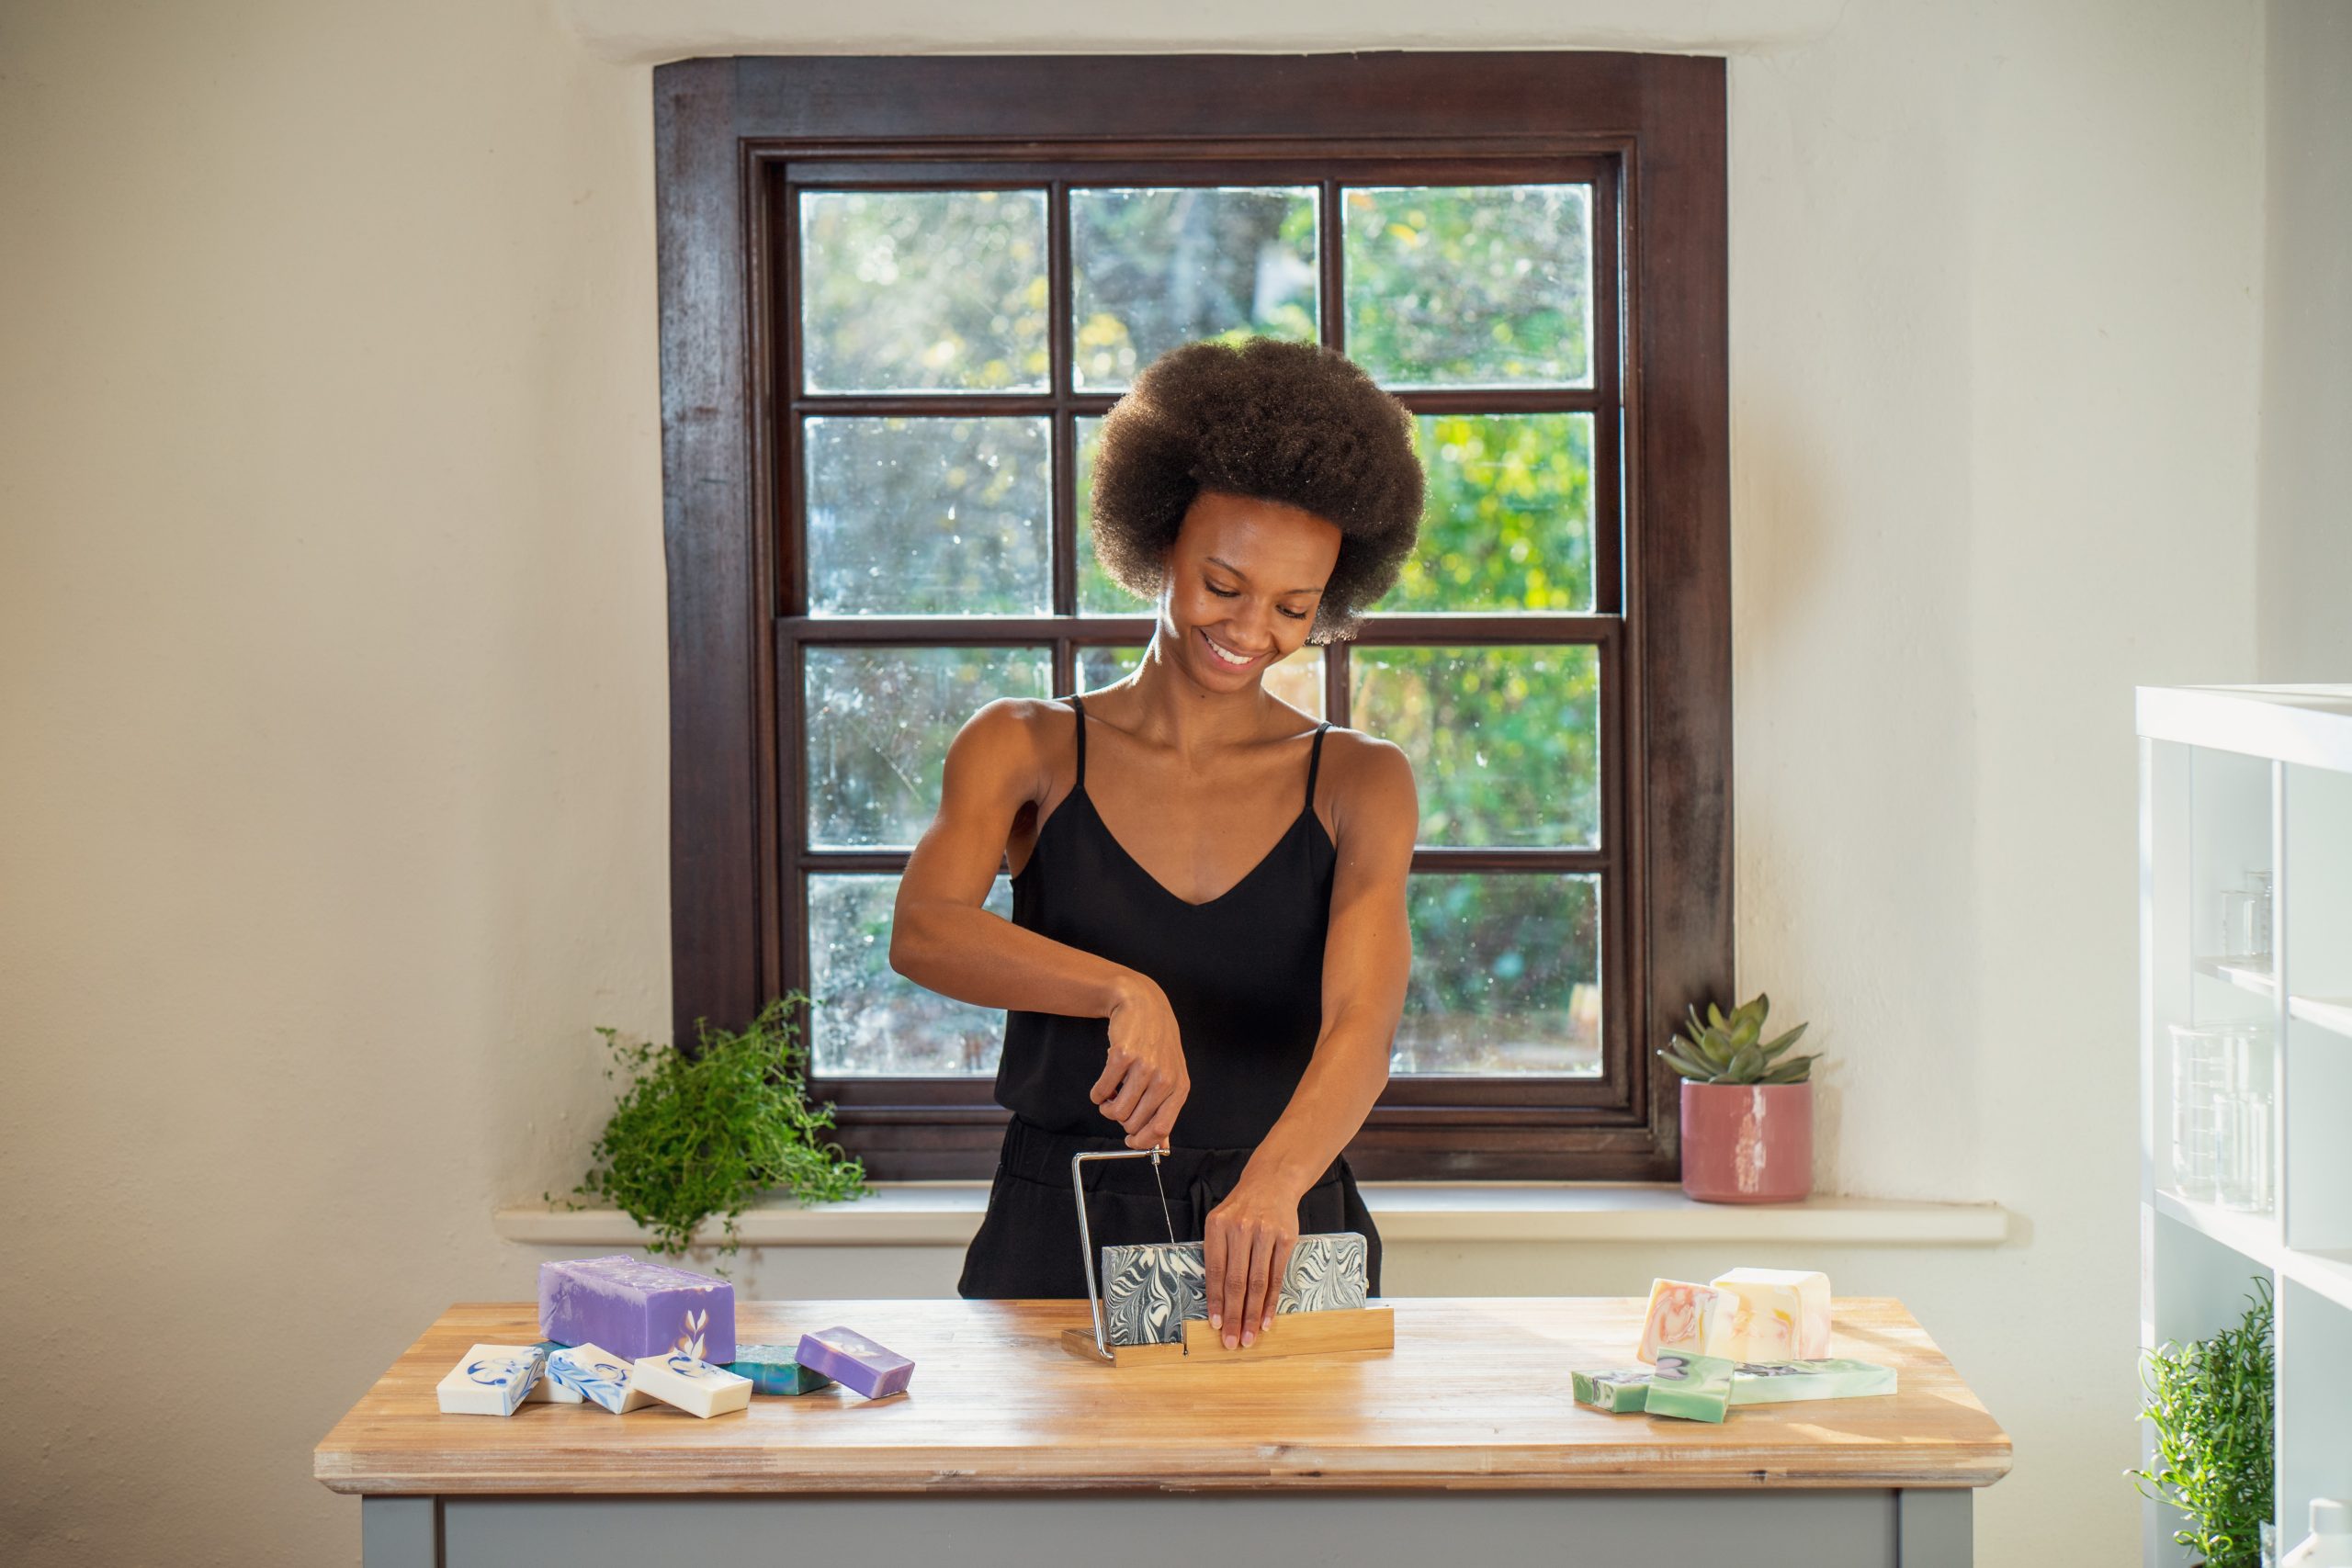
x=1474, y=303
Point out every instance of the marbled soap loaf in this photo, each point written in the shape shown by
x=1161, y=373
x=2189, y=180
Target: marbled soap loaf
x=1150, y=1290
x=636, y=1309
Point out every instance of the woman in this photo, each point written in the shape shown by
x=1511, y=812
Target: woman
x=1170, y=981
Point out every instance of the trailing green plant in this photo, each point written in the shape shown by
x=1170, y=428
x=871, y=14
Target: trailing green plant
x=2212, y=1404
x=1730, y=1047
x=708, y=1134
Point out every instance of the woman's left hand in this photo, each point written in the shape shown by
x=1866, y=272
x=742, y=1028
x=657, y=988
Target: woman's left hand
x=1247, y=1247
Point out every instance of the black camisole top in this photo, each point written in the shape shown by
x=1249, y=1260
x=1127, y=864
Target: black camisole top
x=1243, y=971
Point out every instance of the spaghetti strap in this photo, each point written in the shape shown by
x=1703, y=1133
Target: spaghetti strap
x=1081, y=708
x=1315, y=760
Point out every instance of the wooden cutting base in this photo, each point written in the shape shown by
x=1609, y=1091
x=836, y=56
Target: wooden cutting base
x=1080, y=1342
x=1294, y=1334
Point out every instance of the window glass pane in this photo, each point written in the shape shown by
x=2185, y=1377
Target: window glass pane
x=1506, y=976
x=870, y=1020
x=1485, y=286
x=928, y=516
x=1297, y=680
x=1097, y=594
x=1505, y=741
x=1155, y=269
x=918, y=291
x=1509, y=522
x=879, y=720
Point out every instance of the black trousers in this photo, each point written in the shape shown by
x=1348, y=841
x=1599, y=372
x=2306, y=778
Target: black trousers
x=1028, y=1244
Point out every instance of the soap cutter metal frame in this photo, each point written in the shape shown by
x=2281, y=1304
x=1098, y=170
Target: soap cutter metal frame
x=1306, y=1333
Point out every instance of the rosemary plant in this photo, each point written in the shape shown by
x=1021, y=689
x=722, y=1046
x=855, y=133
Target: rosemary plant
x=2212, y=1405
x=708, y=1133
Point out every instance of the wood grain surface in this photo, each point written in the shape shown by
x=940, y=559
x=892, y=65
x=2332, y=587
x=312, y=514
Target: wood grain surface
x=1475, y=1394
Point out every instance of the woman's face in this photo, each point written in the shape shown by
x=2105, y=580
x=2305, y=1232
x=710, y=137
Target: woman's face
x=1244, y=576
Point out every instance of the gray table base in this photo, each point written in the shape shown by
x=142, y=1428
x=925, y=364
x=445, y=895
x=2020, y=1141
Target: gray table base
x=1803, y=1528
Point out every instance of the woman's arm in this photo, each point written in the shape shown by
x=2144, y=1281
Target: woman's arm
x=941, y=939
x=1367, y=956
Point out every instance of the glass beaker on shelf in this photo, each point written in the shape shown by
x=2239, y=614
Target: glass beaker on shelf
x=2245, y=921
x=2243, y=1155
x=2198, y=1063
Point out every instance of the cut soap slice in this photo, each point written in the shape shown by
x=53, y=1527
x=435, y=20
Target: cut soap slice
x=1681, y=1316
x=1697, y=1388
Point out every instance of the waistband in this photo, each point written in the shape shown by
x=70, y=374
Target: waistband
x=1039, y=1154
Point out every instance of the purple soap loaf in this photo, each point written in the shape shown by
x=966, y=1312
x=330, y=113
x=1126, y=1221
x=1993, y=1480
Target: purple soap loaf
x=634, y=1309
x=855, y=1361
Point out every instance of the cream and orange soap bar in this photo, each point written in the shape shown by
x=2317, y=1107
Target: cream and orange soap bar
x=1770, y=1314
x=1681, y=1316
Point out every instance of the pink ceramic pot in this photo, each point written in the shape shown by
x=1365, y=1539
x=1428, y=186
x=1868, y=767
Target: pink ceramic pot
x=1747, y=1143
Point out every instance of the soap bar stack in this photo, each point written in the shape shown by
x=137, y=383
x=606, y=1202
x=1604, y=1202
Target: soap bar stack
x=1748, y=1337
x=624, y=1335
x=1622, y=1389
x=1744, y=1314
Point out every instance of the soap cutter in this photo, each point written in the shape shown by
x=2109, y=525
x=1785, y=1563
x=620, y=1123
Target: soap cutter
x=1101, y=1347
x=1306, y=1333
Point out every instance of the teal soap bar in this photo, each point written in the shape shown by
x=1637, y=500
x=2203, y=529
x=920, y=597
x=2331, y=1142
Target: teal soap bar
x=1696, y=1388
x=1618, y=1390
x=773, y=1369
x=1834, y=1377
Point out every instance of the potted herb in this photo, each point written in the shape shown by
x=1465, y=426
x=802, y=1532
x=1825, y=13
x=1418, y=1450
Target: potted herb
x=2212, y=1405
x=1747, y=1108
x=708, y=1133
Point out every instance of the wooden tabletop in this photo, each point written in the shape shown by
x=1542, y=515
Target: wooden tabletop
x=1475, y=1394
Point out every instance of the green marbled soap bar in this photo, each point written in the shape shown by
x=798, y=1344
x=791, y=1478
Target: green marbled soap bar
x=1618, y=1390
x=1836, y=1377
x=772, y=1369
x=1696, y=1388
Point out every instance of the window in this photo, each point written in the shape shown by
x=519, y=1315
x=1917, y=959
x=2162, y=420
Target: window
x=898, y=296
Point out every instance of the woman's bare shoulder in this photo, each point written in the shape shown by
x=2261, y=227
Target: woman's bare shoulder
x=1371, y=784
x=1010, y=742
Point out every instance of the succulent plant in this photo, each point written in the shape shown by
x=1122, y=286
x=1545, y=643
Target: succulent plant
x=1730, y=1047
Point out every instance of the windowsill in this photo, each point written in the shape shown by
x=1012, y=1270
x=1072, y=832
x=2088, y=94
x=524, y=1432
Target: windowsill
x=945, y=1213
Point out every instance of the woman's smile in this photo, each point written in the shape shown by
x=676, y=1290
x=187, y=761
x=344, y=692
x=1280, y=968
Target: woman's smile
x=1225, y=655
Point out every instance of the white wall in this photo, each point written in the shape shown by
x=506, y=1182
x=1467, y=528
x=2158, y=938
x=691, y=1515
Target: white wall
x=331, y=669
x=2306, y=452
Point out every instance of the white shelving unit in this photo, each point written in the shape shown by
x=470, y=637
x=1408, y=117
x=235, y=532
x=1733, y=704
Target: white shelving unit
x=2236, y=780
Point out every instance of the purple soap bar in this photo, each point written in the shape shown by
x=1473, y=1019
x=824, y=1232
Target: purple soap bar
x=852, y=1360
x=632, y=1309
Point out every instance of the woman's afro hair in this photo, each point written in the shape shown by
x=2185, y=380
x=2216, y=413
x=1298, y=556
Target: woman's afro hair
x=1293, y=423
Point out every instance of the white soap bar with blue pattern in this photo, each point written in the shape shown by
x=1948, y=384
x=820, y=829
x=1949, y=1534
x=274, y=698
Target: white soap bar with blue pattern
x=595, y=1375
x=491, y=1381
x=697, y=1387
x=550, y=1388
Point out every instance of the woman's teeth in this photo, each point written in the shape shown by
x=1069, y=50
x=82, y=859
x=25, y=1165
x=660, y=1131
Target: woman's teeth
x=1222, y=654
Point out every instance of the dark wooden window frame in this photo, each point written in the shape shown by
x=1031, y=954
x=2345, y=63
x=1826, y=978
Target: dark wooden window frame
x=1647, y=130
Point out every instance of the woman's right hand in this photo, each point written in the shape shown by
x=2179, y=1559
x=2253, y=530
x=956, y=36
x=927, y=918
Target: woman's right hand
x=1144, y=1082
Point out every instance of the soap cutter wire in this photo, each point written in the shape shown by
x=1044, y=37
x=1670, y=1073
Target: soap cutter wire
x=1086, y=1237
